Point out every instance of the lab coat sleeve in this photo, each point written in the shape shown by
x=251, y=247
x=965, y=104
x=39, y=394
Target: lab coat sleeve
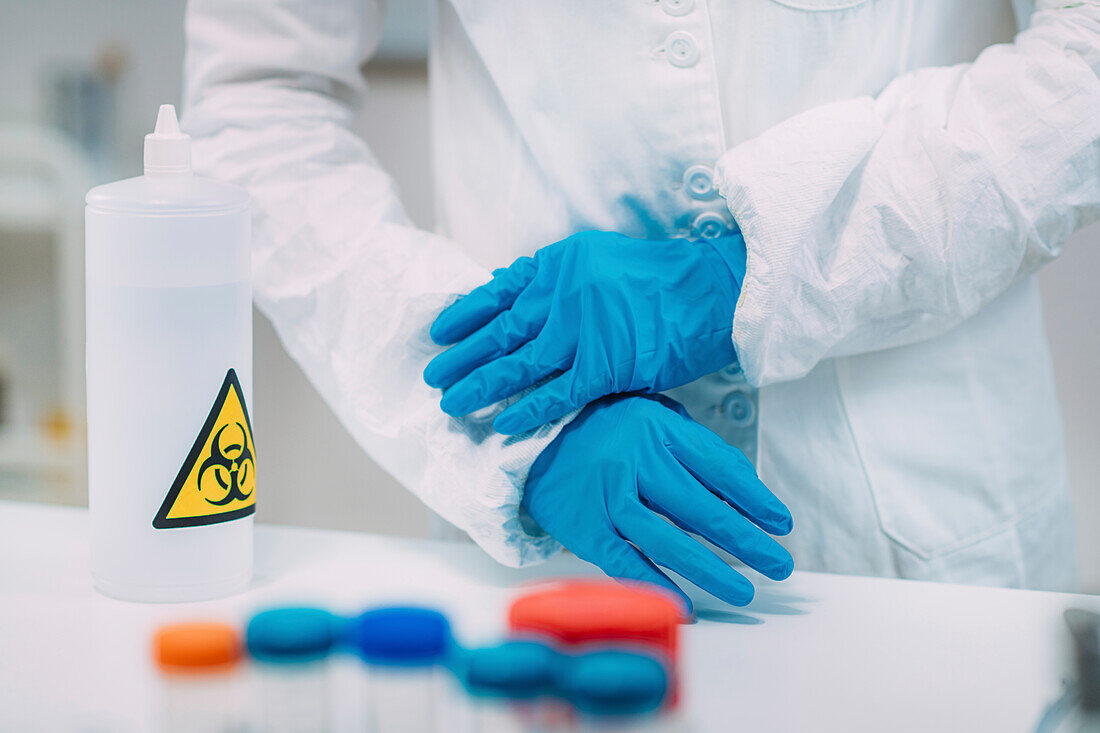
x=872, y=223
x=349, y=283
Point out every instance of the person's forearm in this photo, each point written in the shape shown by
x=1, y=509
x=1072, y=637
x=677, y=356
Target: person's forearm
x=349, y=284
x=876, y=223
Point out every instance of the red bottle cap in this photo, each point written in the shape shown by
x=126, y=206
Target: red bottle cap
x=577, y=612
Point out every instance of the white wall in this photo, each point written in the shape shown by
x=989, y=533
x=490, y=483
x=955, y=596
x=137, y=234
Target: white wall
x=313, y=473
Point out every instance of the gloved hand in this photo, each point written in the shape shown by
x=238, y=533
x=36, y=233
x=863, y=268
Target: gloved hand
x=612, y=313
x=601, y=488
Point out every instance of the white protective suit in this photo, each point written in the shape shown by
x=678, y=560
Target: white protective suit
x=897, y=186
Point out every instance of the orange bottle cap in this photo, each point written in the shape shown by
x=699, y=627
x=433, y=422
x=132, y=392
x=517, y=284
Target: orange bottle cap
x=196, y=647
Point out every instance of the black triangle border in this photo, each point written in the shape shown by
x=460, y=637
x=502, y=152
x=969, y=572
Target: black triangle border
x=161, y=521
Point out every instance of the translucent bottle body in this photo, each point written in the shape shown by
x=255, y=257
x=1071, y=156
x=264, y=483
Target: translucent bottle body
x=403, y=698
x=168, y=316
x=204, y=703
x=295, y=697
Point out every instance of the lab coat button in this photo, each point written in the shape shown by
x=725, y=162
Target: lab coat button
x=699, y=182
x=681, y=49
x=709, y=225
x=677, y=7
x=732, y=373
x=739, y=409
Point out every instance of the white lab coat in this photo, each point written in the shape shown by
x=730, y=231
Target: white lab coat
x=893, y=219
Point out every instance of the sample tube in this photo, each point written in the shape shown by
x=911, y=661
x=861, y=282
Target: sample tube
x=508, y=686
x=291, y=647
x=577, y=613
x=402, y=648
x=202, y=686
x=617, y=690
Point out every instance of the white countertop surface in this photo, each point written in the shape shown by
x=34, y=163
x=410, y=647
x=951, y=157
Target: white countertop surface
x=813, y=653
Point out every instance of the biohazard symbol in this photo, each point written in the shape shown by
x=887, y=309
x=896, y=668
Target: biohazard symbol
x=218, y=479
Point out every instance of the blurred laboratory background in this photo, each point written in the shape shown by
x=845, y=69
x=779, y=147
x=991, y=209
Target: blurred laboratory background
x=80, y=81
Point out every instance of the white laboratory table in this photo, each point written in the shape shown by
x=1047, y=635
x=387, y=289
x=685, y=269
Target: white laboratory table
x=813, y=653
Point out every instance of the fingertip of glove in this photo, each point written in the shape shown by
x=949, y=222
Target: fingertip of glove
x=783, y=525
x=678, y=596
x=438, y=336
x=777, y=525
x=740, y=596
x=781, y=570
x=731, y=587
x=508, y=424
x=442, y=330
x=775, y=513
x=434, y=375
x=454, y=404
x=786, y=570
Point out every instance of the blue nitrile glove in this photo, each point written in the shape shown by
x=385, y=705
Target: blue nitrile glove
x=601, y=488
x=610, y=313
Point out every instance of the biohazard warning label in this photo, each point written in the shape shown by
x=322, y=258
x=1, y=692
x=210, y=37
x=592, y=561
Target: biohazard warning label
x=218, y=480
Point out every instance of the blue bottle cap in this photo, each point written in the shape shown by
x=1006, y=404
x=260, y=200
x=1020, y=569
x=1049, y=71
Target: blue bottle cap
x=516, y=670
x=614, y=683
x=292, y=634
x=410, y=637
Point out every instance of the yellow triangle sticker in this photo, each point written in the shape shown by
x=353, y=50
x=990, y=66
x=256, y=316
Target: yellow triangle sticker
x=217, y=482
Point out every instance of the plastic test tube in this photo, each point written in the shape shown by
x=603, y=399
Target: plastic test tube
x=507, y=686
x=402, y=648
x=202, y=685
x=617, y=690
x=291, y=647
x=579, y=613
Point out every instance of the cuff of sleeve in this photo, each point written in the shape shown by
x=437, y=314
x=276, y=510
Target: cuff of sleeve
x=480, y=490
x=780, y=188
x=731, y=250
x=493, y=517
x=473, y=477
x=475, y=482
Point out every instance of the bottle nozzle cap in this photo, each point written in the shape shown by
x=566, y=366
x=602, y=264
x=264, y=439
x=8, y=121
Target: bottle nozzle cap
x=167, y=150
x=167, y=124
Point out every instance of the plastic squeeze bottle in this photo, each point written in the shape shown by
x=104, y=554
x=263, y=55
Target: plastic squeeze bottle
x=171, y=462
